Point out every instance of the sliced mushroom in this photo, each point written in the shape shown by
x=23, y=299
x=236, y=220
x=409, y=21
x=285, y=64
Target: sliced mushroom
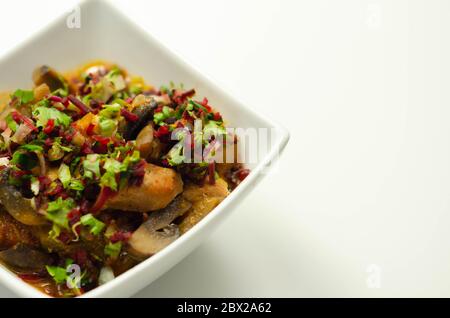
x=25, y=257
x=47, y=75
x=158, y=232
x=16, y=205
x=148, y=242
x=145, y=114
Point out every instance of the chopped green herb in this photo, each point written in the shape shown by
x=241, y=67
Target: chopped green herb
x=167, y=111
x=197, y=105
x=32, y=148
x=74, y=164
x=175, y=155
x=64, y=175
x=107, y=126
x=76, y=185
x=63, y=275
x=59, y=274
x=11, y=123
x=110, y=111
x=112, y=167
x=43, y=114
x=91, y=166
x=213, y=128
x=58, y=150
x=158, y=118
x=63, y=92
x=23, y=96
x=116, y=78
x=57, y=211
x=135, y=89
x=134, y=158
x=113, y=249
x=54, y=232
x=94, y=224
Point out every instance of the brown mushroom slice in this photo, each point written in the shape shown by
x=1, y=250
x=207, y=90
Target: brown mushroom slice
x=158, y=231
x=25, y=257
x=159, y=187
x=47, y=75
x=16, y=205
x=147, y=242
x=204, y=199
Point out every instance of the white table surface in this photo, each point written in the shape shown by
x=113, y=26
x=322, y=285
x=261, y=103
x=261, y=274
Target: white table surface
x=363, y=87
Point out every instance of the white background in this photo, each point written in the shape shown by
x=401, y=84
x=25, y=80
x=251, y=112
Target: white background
x=363, y=88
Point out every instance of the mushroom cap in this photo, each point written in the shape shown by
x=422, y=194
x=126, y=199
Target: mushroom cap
x=158, y=232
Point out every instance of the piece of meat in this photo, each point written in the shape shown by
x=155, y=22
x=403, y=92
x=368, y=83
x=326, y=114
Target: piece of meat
x=13, y=232
x=204, y=199
x=159, y=188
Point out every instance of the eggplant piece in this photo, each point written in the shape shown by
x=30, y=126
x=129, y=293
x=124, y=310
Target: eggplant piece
x=13, y=232
x=93, y=245
x=158, y=231
x=145, y=114
x=159, y=187
x=25, y=257
x=47, y=75
x=16, y=205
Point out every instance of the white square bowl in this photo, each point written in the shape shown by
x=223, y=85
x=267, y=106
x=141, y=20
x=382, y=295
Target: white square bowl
x=107, y=34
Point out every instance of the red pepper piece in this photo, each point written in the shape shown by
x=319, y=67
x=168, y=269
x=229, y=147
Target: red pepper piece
x=55, y=99
x=129, y=116
x=105, y=194
x=79, y=104
x=49, y=126
x=162, y=131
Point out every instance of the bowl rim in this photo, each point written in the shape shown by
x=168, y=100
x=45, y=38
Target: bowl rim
x=21, y=288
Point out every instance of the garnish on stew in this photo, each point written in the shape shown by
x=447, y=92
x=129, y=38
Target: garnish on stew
x=99, y=171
